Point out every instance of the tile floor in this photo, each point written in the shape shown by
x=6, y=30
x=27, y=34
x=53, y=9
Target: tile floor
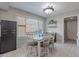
x=60, y=50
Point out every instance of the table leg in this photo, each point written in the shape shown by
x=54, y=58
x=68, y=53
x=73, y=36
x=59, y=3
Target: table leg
x=39, y=49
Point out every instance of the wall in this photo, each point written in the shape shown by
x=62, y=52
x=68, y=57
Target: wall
x=4, y=5
x=60, y=24
x=58, y=29
x=10, y=14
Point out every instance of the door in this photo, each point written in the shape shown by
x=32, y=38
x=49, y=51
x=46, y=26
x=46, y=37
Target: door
x=8, y=36
x=72, y=30
x=65, y=31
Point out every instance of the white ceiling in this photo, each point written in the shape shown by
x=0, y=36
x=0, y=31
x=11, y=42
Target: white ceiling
x=37, y=7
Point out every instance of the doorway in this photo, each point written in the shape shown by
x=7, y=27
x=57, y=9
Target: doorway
x=70, y=29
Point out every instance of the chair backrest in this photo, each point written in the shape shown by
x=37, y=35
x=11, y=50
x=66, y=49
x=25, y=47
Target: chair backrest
x=47, y=40
x=51, y=37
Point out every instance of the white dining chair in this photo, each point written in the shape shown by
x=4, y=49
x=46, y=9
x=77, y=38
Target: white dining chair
x=52, y=38
x=45, y=46
x=31, y=44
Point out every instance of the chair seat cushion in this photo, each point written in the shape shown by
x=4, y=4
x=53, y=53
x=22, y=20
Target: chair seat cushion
x=32, y=43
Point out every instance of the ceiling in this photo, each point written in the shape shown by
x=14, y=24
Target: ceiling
x=37, y=7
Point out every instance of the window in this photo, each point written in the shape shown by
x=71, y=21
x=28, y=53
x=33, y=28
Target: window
x=33, y=25
x=25, y=25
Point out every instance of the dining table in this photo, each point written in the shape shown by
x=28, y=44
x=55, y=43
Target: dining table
x=40, y=39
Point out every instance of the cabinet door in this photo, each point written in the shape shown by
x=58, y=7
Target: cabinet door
x=4, y=36
x=8, y=40
x=12, y=35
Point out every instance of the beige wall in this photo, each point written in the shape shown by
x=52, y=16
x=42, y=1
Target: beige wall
x=58, y=29
x=10, y=14
x=60, y=24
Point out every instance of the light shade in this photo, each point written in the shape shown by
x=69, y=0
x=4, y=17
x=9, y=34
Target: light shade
x=48, y=10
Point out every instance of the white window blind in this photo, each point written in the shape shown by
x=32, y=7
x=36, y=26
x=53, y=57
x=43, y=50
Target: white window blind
x=31, y=25
x=34, y=25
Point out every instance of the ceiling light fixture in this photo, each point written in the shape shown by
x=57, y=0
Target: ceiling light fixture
x=49, y=9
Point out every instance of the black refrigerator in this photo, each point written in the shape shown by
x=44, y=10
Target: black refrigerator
x=7, y=36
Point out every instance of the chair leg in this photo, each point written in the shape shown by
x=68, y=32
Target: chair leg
x=35, y=52
x=29, y=51
x=51, y=48
x=48, y=50
x=53, y=45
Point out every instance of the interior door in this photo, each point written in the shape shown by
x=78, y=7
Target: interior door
x=72, y=30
